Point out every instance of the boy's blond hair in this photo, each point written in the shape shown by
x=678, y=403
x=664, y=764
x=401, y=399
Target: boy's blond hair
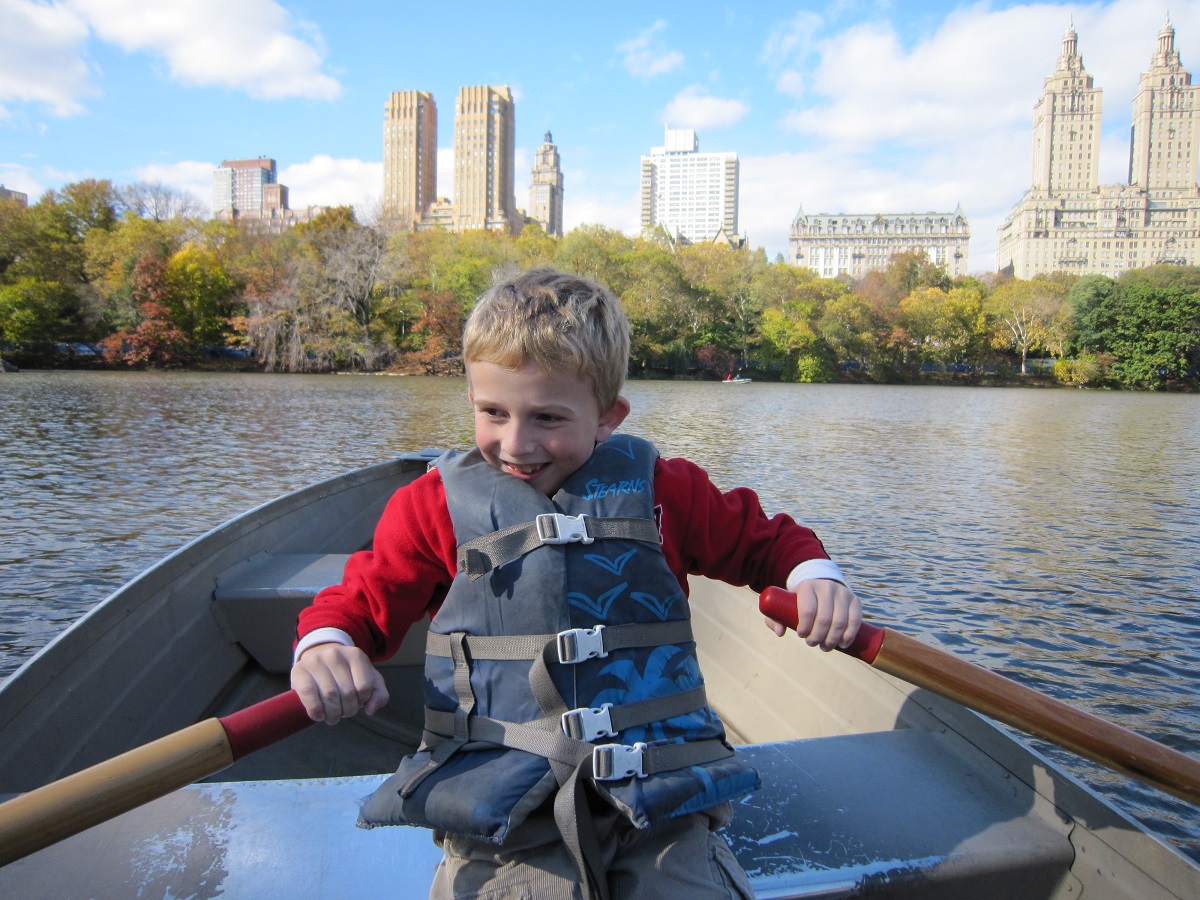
x=554, y=320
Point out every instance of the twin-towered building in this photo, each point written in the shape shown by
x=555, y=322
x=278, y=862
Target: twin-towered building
x=484, y=159
x=1067, y=220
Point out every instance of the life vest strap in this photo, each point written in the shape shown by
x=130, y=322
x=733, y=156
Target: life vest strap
x=609, y=761
x=572, y=646
x=480, y=555
x=589, y=723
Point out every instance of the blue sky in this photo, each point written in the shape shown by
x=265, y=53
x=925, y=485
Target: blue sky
x=854, y=107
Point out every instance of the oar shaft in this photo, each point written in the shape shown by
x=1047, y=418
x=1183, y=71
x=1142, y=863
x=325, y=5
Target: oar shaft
x=52, y=813
x=1037, y=714
x=1014, y=704
x=70, y=805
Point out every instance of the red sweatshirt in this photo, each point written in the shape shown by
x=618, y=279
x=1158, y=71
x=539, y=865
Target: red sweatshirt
x=725, y=536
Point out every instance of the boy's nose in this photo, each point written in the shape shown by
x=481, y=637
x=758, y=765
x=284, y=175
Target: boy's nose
x=516, y=441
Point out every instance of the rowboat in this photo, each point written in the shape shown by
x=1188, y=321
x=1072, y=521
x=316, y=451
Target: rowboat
x=872, y=787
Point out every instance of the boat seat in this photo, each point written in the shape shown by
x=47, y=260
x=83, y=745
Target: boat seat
x=891, y=813
x=257, y=603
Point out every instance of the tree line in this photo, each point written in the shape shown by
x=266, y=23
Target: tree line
x=136, y=276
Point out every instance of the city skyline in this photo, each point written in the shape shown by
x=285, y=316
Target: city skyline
x=864, y=107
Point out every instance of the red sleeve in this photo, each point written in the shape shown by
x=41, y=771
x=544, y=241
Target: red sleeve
x=725, y=536
x=406, y=572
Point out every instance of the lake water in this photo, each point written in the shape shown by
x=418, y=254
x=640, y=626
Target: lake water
x=1050, y=535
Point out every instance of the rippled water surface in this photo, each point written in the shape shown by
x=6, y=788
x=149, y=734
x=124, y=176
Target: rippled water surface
x=1053, y=536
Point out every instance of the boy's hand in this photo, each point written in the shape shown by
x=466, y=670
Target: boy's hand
x=335, y=681
x=829, y=614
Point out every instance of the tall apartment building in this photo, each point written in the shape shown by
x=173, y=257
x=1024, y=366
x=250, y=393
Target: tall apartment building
x=409, y=157
x=1068, y=221
x=693, y=195
x=854, y=244
x=238, y=186
x=484, y=125
x=546, y=189
x=246, y=191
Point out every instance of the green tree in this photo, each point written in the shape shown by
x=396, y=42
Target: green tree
x=850, y=327
x=33, y=311
x=1091, y=302
x=1156, y=331
x=655, y=297
x=1027, y=315
x=943, y=326
x=535, y=249
x=200, y=294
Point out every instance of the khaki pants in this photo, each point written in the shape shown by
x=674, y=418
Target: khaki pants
x=683, y=857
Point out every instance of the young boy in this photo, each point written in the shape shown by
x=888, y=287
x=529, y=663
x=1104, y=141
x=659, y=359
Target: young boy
x=569, y=750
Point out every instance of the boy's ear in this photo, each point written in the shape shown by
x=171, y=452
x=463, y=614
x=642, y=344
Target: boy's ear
x=611, y=420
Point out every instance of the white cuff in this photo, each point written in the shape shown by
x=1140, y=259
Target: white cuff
x=321, y=636
x=815, y=568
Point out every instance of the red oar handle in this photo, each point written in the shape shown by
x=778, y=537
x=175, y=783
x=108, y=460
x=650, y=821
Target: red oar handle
x=780, y=605
x=65, y=807
x=265, y=723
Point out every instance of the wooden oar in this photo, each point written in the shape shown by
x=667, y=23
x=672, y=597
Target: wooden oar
x=1006, y=701
x=52, y=813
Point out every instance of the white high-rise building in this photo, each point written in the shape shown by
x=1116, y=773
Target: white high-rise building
x=693, y=195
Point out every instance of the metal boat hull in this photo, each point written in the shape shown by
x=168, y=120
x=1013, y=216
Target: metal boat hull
x=871, y=787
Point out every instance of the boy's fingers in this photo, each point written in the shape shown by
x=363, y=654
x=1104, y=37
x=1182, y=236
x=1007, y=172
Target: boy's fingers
x=828, y=613
x=372, y=692
x=306, y=689
x=806, y=609
x=778, y=627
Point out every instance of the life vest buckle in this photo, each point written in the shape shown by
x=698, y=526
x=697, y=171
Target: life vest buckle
x=612, y=762
x=588, y=723
x=577, y=644
x=557, y=528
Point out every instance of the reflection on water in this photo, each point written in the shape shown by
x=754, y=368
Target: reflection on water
x=1050, y=535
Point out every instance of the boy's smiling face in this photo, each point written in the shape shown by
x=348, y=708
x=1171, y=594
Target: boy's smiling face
x=537, y=425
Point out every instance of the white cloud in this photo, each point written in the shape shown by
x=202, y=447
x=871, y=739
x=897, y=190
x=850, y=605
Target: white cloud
x=582, y=207
x=17, y=177
x=964, y=77
x=193, y=178
x=249, y=45
x=693, y=108
x=647, y=54
x=790, y=82
x=41, y=58
x=325, y=181
x=791, y=42
x=445, y=172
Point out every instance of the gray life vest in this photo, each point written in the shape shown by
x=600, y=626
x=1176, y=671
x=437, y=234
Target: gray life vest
x=562, y=652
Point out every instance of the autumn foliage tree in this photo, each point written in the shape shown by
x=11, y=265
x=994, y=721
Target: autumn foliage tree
x=92, y=260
